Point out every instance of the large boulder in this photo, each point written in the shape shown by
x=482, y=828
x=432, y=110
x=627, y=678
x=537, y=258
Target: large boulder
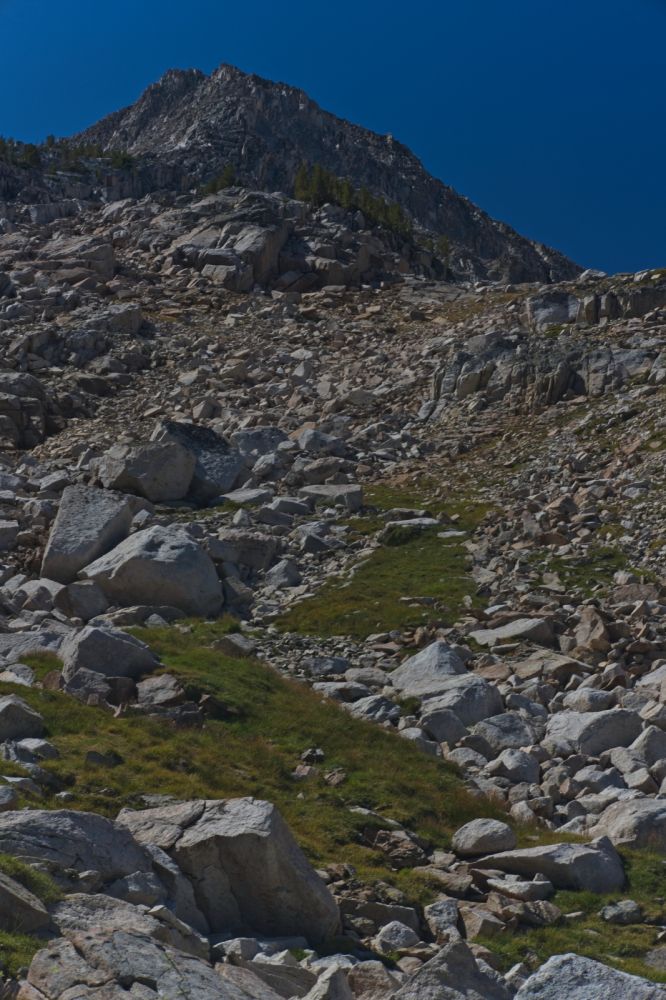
x=64, y=839
x=18, y=720
x=65, y=842
x=106, y=651
x=422, y=674
x=591, y=733
x=110, y=965
x=595, y=867
x=247, y=871
x=159, y=566
x=483, y=836
x=158, y=471
x=634, y=823
x=219, y=467
x=453, y=974
x=469, y=697
x=578, y=978
x=89, y=523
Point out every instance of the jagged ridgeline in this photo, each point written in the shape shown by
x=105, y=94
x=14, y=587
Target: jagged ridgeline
x=192, y=131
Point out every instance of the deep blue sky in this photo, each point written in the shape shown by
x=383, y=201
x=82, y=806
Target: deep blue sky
x=550, y=114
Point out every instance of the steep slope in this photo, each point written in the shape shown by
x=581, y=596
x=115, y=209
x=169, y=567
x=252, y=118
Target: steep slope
x=267, y=130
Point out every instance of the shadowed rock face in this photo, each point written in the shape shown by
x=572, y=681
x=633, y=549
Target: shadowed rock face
x=195, y=124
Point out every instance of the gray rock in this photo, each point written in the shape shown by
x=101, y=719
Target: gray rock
x=453, y=974
x=533, y=629
x=395, y=937
x=83, y=599
x=106, y=651
x=8, y=534
x=578, y=978
x=80, y=913
x=246, y=868
x=218, y=466
x=634, y=823
x=421, y=674
x=159, y=566
x=283, y=574
x=18, y=719
x=348, y=496
x=89, y=523
x=595, y=866
x=591, y=733
x=624, y=912
x=483, y=836
x=117, y=963
x=443, y=725
x=20, y=910
x=516, y=765
x=442, y=918
x=508, y=731
x=469, y=697
x=158, y=471
x=244, y=548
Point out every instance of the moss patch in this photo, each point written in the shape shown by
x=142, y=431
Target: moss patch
x=408, y=581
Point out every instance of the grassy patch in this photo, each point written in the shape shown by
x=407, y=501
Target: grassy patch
x=425, y=566
x=264, y=722
x=622, y=947
x=38, y=883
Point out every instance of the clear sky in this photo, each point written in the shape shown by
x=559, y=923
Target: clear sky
x=549, y=114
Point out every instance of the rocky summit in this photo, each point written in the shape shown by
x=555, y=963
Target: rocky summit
x=332, y=590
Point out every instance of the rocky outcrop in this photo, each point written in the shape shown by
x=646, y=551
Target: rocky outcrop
x=198, y=124
x=246, y=869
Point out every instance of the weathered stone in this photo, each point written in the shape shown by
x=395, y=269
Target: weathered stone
x=246, y=869
x=159, y=565
x=634, y=823
x=483, y=836
x=453, y=974
x=20, y=910
x=595, y=867
x=578, y=978
x=89, y=523
x=591, y=733
x=218, y=466
x=158, y=471
x=469, y=697
x=106, y=651
x=421, y=674
x=18, y=719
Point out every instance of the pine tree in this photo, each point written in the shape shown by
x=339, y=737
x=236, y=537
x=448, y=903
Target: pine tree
x=302, y=183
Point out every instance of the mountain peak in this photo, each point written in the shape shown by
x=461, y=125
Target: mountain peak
x=196, y=126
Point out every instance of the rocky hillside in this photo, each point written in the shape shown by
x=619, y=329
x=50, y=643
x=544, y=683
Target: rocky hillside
x=187, y=128
x=332, y=605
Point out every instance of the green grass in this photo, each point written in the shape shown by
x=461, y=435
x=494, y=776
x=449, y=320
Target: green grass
x=264, y=722
x=622, y=947
x=17, y=949
x=425, y=566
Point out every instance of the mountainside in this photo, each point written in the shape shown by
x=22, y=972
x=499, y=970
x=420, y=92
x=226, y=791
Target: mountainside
x=266, y=130
x=332, y=580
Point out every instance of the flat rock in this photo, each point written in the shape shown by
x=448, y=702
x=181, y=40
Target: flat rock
x=529, y=629
x=469, y=697
x=595, y=867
